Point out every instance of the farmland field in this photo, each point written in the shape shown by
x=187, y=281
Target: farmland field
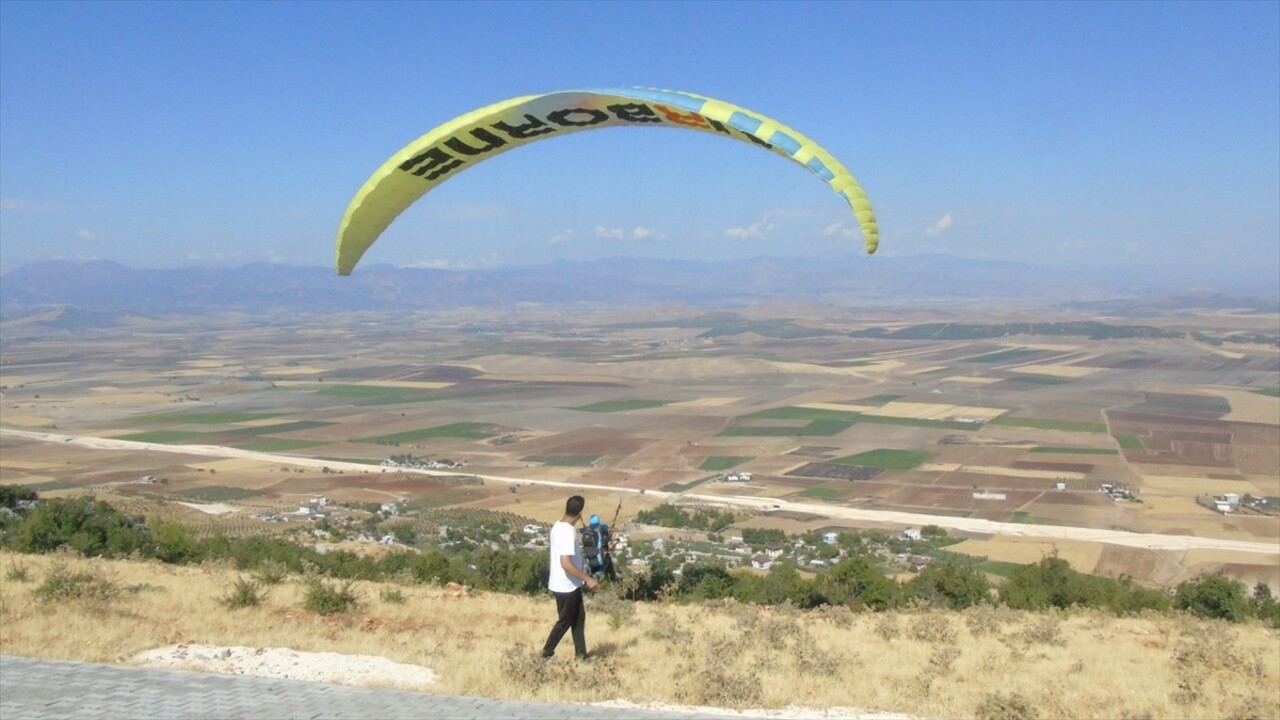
x=955, y=414
x=887, y=459
x=463, y=431
x=722, y=462
x=611, y=406
x=1049, y=424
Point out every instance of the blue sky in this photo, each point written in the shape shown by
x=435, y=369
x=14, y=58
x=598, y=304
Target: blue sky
x=1129, y=136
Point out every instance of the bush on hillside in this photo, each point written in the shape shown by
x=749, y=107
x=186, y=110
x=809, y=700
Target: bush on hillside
x=1213, y=596
x=949, y=584
x=66, y=583
x=91, y=528
x=327, y=598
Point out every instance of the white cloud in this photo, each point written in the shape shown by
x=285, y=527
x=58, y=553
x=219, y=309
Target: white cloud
x=640, y=233
x=560, y=237
x=757, y=230
x=939, y=227
x=85, y=235
x=839, y=229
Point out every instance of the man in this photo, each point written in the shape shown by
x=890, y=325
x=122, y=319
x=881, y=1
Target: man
x=566, y=580
x=597, y=547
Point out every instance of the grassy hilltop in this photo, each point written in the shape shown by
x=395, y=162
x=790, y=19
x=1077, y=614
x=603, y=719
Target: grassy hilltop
x=985, y=661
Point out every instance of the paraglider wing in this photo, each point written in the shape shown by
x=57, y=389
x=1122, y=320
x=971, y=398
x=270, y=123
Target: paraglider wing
x=468, y=139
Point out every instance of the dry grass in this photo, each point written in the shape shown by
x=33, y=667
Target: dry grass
x=987, y=662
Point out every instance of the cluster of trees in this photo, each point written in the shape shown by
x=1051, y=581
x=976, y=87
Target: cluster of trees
x=676, y=517
x=95, y=529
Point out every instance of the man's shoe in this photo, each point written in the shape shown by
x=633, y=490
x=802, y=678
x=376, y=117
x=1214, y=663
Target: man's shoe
x=588, y=657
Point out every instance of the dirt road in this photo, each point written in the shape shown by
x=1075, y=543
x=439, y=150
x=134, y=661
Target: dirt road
x=974, y=525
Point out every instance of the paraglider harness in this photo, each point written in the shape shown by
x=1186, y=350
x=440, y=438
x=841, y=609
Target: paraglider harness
x=597, y=547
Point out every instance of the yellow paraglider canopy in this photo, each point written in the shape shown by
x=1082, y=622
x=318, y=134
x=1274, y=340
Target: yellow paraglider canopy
x=468, y=139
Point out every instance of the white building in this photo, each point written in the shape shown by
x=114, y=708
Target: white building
x=911, y=534
x=762, y=562
x=831, y=538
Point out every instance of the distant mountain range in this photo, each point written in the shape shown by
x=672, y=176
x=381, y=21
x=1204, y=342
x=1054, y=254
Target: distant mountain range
x=99, y=289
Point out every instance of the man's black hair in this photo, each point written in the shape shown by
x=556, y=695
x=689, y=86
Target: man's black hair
x=573, y=506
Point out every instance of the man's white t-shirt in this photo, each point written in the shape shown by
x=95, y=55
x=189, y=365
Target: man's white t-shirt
x=564, y=541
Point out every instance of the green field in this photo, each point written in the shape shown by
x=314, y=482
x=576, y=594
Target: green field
x=460, y=431
x=281, y=428
x=563, y=460
x=845, y=418
x=1040, y=379
x=919, y=422
x=878, y=400
x=361, y=461
x=1269, y=391
x=822, y=493
x=168, y=437
x=1002, y=356
x=792, y=412
x=1129, y=442
x=377, y=394
x=685, y=487
x=722, y=462
x=281, y=445
x=177, y=418
x=1074, y=450
x=611, y=406
x=217, y=493
x=1047, y=424
x=1026, y=518
x=885, y=458
x=821, y=428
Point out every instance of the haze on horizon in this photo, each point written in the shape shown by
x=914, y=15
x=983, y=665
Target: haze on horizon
x=1140, y=138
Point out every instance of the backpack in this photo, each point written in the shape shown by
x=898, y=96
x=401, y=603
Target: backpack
x=592, y=543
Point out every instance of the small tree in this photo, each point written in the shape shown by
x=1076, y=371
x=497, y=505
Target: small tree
x=1213, y=596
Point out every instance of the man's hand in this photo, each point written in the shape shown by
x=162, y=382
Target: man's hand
x=592, y=584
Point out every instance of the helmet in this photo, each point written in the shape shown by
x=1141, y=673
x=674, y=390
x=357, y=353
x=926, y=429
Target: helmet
x=595, y=519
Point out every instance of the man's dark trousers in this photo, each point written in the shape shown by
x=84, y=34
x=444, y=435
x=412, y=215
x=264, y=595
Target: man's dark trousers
x=573, y=615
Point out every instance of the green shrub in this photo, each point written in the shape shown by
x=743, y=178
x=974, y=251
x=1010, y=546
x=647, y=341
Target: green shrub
x=244, y=594
x=272, y=572
x=90, y=528
x=17, y=572
x=1264, y=605
x=330, y=598
x=858, y=583
x=1014, y=706
x=392, y=596
x=1213, y=596
x=949, y=584
x=64, y=583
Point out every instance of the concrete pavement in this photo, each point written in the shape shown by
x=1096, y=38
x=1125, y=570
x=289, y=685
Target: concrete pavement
x=32, y=689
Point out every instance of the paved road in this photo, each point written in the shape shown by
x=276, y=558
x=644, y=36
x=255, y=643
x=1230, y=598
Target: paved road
x=1151, y=541
x=47, y=689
